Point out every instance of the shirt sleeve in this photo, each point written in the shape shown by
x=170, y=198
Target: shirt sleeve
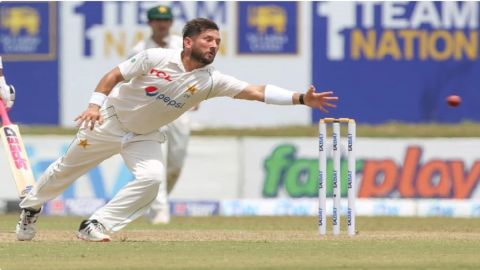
x=225, y=85
x=141, y=63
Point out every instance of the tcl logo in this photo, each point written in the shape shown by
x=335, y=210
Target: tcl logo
x=161, y=74
x=15, y=149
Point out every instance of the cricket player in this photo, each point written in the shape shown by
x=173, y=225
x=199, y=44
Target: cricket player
x=161, y=85
x=160, y=20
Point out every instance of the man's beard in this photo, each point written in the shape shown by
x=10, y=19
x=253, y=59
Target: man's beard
x=197, y=56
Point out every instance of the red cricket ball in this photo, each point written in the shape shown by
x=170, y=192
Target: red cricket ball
x=454, y=100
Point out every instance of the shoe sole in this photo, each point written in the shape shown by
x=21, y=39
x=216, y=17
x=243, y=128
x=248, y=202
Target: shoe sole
x=81, y=237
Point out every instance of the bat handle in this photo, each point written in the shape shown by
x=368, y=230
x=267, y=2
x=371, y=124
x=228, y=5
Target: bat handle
x=3, y=113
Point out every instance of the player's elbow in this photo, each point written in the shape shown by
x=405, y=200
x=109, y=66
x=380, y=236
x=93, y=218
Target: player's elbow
x=115, y=76
x=111, y=78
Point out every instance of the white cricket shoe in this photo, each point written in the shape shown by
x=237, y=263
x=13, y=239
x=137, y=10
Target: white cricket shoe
x=159, y=217
x=92, y=230
x=25, y=229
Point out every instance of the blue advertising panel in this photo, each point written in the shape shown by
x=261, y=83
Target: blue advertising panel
x=397, y=61
x=28, y=46
x=267, y=27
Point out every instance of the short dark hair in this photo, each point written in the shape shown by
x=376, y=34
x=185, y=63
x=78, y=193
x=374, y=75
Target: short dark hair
x=197, y=26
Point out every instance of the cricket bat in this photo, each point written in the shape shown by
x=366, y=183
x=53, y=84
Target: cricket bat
x=15, y=149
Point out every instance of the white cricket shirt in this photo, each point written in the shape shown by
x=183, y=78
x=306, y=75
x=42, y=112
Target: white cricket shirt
x=171, y=41
x=159, y=89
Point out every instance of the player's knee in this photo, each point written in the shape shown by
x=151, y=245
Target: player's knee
x=153, y=176
x=58, y=170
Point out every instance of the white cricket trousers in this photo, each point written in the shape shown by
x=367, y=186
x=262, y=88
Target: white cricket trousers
x=142, y=155
x=178, y=135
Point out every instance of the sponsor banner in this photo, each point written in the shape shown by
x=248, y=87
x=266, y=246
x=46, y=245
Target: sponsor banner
x=270, y=207
x=101, y=182
x=364, y=207
x=386, y=168
x=215, y=174
x=28, y=31
x=401, y=58
x=28, y=46
x=267, y=27
x=276, y=207
x=382, y=207
x=283, y=168
x=448, y=208
x=309, y=207
x=194, y=208
x=55, y=207
x=87, y=206
x=73, y=207
x=212, y=170
x=83, y=206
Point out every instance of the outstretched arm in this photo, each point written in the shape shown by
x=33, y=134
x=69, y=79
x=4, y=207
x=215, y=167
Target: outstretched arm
x=274, y=95
x=92, y=114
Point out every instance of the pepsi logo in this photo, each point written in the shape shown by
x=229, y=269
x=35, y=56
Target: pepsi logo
x=151, y=91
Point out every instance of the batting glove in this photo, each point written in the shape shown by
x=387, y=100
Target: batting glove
x=7, y=94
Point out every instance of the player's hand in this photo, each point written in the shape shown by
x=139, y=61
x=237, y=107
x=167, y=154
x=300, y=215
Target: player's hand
x=319, y=100
x=89, y=117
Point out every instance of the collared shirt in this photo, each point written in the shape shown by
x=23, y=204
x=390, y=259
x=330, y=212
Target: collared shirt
x=158, y=89
x=171, y=42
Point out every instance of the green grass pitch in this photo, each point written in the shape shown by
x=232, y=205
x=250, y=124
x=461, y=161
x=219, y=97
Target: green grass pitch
x=248, y=243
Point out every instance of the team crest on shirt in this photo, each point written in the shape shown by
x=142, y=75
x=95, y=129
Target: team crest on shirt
x=83, y=143
x=190, y=91
x=151, y=91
